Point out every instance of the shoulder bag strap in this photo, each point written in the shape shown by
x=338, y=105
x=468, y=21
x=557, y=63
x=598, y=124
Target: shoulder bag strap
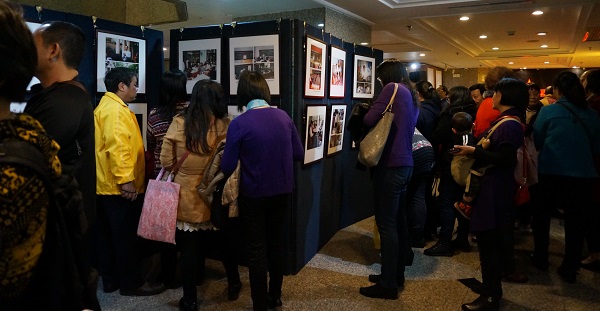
x=390, y=104
x=505, y=118
x=585, y=128
x=178, y=164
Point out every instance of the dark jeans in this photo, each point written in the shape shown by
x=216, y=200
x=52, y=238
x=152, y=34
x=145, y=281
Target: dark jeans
x=573, y=195
x=263, y=231
x=416, y=201
x=450, y=193
x=490, y=244
x=390, y=215
x=118, y=250
x=193, y=246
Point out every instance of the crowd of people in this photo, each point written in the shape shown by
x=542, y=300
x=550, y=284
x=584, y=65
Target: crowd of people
x=103, y=149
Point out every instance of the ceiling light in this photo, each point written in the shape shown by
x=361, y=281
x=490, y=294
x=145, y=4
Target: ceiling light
x=320, y=25
x=414, y=65
x=510, y=63
x=546, y=62
x=537, y=13
x=524, y=68
x=364, y=43
x=164, y=49
x=543, y=46
x=464, y=18
x=422, y=54
x=542, y=33
x=575, y=67
x=495, y=48
x=482, y=37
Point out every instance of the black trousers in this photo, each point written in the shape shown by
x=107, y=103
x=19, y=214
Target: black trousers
x=118, y=246
x=490, y=246
x=262, y=219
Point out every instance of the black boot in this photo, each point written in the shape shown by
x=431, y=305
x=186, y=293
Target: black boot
x=188, y=304
x=375, y=278
x=233, y=290
x=440, y=249
x=483, y=303
x=378, y=291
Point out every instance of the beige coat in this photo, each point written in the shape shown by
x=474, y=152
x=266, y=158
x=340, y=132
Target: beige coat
x=192, y=208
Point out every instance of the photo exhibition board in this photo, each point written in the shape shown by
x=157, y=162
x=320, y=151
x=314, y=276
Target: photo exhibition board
x=33, y=27
x=336, y=129
x=364, y=77
x=200, y=60
x=256, y=53
x=337, y=81
x=316, y=59
x=114, y=51
x=315, y=133
x=141, y=114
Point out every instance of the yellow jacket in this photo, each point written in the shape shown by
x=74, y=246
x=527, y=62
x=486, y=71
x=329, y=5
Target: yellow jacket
x=119, y=146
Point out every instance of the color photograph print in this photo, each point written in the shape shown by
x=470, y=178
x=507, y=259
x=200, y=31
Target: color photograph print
x=364, y=76
x=32, y=27
x=120, y=51
x=200, y=60
x=258, y=53
x=315, y=133
x=336, y=129
x=337, y=83
x=316, y=55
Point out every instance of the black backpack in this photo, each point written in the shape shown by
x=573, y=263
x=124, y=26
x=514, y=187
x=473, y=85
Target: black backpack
x=61, y=277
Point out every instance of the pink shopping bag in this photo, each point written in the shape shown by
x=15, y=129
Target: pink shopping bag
x=159, y=213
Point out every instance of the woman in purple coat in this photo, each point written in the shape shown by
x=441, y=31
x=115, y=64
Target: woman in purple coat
x=391, y=176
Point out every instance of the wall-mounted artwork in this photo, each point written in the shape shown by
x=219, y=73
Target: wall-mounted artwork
x=32, y=27
x=200, y=60
x=364, y=77
x=336, y=129
x=316, y=57
x=257, y=53
x=337, y=83
x=141, y=114
x=233, y=112
x=120, y=51
x=315, y=133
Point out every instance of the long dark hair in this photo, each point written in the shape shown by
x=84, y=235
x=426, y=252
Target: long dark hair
x=569, y=86
x=393, y=70
x=427, y=91
x=460, y=100
x=172, y=92
x=206, y=102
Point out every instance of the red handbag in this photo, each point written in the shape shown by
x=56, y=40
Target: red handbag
x=522, y=194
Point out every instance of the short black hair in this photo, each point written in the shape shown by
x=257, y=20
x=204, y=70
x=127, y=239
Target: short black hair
x=462, y=122
x=392, y=70
x=478, y=86
x=116, y=76
x=533, y=86
x=69, y=37
x=252, y=85
x=18, y=56
x=515, y=93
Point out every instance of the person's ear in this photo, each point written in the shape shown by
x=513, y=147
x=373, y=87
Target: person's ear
x=122, y=87
x=454, y=130
x=54, y=52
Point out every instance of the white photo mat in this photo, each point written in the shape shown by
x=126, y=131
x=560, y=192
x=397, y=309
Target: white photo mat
x=257, y=53
x=316, y=57
x=315, y=133
x=32, y=27
x=364, y=77
x=337, y=81
x=200, y=60
x=336, y=129
x=115, y=50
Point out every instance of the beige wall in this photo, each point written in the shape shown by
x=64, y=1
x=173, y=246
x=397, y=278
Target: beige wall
x=463, y=77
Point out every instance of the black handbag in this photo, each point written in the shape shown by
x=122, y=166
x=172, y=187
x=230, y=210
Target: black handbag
x=219, y=213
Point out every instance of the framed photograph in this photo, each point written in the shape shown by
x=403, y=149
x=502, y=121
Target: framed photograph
x=315, y=133
x=364, y=77
x=337, y=81
x=141, y=114
x=200, y=60
x=32, y=27
x=316, y=57
x=114, y=51
x=257, y=53
x=336, y=129
x=233, y=112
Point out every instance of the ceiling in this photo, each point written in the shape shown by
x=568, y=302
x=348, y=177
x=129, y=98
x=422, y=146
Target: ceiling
x=405, y=29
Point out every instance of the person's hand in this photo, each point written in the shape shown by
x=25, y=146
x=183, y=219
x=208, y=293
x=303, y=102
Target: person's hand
x=485, y=143
x=128, y=191
x=463, y=150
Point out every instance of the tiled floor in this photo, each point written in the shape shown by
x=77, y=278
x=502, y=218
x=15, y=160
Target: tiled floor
x=331, y=280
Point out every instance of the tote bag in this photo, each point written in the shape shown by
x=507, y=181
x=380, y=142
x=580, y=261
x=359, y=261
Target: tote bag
x=159, y=213
x=371, y=147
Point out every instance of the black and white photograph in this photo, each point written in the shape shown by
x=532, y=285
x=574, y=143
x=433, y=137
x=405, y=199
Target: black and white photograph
x=316, y=55
x=315, y=133
x=120, y=51
x=364, y=76
x=258, y=53
x=200, y=60
x=337, y=82
x=336, y=129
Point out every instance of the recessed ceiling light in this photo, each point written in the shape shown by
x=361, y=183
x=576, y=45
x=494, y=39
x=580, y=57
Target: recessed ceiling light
x=543, y=46
x=495, y=48
x=364, y=43
x=482, y=37
x=164, y=49
x=575, y=67
x=510, y=63
x=546, y=62
x=537, y=13
x=542, y=33
x=464, y=18
x=320, y=25
x=422, y=54
x=524, y=68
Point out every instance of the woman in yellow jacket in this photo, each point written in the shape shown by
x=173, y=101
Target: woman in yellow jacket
x=197, y=130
